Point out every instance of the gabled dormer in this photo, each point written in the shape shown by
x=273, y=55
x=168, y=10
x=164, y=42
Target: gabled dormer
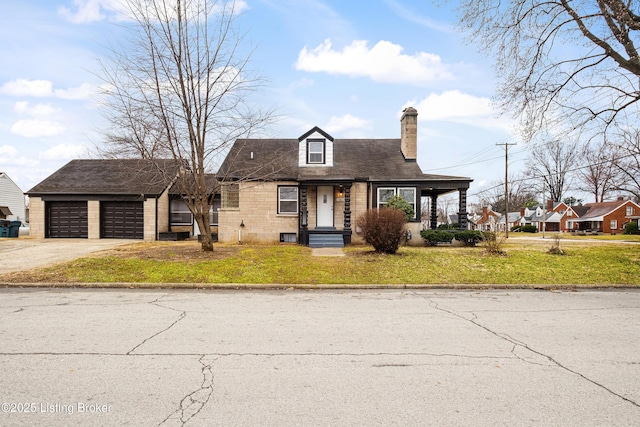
x=315, y=148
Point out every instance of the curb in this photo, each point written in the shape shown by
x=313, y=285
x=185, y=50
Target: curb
x=308, y=286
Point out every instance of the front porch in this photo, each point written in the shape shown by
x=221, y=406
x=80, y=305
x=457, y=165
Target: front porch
x=325, y=214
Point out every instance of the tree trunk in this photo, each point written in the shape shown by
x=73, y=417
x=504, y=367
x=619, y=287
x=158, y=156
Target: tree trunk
x=205, y=233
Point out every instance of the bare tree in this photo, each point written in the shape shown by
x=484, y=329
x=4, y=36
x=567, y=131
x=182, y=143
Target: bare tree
x=599, y=175
x=553, y=161
x=179, y=87
x=628, y=161
x=521, y=194
x=561, y=61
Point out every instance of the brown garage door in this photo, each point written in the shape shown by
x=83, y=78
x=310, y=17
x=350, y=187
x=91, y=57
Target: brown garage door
x=122, y=220
x=67, y=220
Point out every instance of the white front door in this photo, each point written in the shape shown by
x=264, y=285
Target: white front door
x=325, y=207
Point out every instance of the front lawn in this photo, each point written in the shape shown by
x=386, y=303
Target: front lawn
x=526, y=263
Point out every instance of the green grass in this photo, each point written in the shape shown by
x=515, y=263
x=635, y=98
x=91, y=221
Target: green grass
x=526, y=263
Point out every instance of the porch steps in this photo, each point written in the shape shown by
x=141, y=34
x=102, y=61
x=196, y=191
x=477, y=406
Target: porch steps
x=326, y=241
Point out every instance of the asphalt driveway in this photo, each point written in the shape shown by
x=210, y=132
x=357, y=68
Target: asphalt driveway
x=27, y=254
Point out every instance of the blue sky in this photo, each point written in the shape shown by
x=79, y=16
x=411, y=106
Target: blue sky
x=336, y=64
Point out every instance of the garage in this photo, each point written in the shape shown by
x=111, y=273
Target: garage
x=121, y=220
x=67, y=220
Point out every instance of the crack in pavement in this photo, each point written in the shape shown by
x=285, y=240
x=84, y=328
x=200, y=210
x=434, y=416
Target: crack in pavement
x=156, y=302
x=192, y=403
x=516, y=343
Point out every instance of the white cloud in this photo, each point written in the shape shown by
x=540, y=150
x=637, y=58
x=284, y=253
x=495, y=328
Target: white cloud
x=84, y=91
x=384, y=62
x=89, y=11
x=24, y=87
x=345, y=123
x=460, y=107
x=9, y=157
x=38, y=110
x=36, y=128
x=8, y=151
x=44, y=89
x=92, y=10
x=63, y=151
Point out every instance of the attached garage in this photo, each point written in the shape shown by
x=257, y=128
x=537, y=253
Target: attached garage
x=121, y=220
x=67, y=219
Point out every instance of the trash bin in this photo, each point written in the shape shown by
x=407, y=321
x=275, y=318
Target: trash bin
x=4, y=228
x=14, y=228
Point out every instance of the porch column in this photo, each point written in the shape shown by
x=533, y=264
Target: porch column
x=462, y=209
x=434, y=212
x=304, y=217
x=347, y=214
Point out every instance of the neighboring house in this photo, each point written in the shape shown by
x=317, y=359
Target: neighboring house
x=107, y=198
x=488, y=220
x=534, y=215
x=12, y=202
x=513, y=220
x=607, y=217
x=312, y=189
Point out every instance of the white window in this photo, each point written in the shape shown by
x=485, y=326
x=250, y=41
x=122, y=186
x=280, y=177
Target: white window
x=384, y=195
x=287, y=200
x=230, y=196
x=569, y=225
x=315, y=151
x=180, y=213
x=629, y=210
x=614, y=224
x=213, y=211
x=408, y=194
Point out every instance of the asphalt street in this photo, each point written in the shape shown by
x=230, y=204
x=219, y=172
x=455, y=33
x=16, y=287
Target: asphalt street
x=319, y=358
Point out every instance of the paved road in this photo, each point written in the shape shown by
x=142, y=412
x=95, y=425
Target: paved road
x=27, y=254
x=319, y=358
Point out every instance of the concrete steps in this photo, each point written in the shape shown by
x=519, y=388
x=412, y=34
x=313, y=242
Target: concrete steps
x=326, y=241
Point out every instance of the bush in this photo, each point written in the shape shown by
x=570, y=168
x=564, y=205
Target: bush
x=453, y=226
x=384, y=229
x=631, y=228
x=529, y=229
x=398, y=202
x=469, y=237
x=492, y=243
x=433, y=237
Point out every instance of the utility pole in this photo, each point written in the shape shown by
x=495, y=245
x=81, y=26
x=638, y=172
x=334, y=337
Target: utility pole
x=506, y=187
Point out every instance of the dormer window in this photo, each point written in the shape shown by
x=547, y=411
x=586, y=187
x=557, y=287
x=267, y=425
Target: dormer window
x=315, y=151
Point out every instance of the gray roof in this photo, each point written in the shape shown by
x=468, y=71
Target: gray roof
x=109, y=176
x=353, y=159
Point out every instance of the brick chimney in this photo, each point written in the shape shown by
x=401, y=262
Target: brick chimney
x=409, y=133
x=550, y=205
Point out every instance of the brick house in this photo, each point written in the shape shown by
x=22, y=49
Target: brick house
x=488, y=220
x=318, y=185
x=308, y=190
x=607, y=217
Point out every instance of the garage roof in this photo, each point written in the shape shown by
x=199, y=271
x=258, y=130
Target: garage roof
x=109, y=176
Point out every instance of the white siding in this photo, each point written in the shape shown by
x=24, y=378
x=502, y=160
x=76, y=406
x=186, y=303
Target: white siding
x=302, y=151
x=12, y=196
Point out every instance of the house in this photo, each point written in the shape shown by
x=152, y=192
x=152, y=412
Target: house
x=607, y=217
x=318, y=185
x=554, y=216
x=103, y=198
x=513, y=220
x=488, y=220
x=308, y=190
x=12, y=203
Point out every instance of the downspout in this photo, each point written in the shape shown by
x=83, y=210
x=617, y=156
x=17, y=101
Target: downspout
x=157, y=235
